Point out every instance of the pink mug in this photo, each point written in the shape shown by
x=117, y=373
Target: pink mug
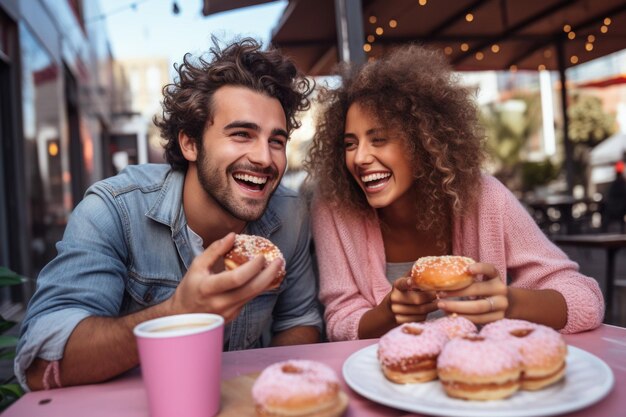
x=181, y=362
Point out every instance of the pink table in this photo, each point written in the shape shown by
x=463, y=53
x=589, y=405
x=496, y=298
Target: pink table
x=125, y=396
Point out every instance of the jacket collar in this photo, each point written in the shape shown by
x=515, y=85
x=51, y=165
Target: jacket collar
x=167, y=209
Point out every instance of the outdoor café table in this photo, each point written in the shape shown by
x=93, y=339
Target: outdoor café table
x=611, y=243
x=125, y=395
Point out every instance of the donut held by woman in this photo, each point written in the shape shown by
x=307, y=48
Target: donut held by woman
x=298, y=388
x=248, y=247
x=441, y=273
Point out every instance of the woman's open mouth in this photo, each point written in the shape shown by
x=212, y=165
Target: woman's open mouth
x=375, y=181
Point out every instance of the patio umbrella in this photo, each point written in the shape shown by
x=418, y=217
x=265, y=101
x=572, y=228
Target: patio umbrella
x=475, y=34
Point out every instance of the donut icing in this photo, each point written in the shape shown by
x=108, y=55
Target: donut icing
x=410, y=340
x=248, y=247
x=454, y=264
x=479, y=356
x=296, y=383
x=454, y=325
x=441, y=273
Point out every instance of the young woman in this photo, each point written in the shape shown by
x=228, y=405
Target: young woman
x=396, y=164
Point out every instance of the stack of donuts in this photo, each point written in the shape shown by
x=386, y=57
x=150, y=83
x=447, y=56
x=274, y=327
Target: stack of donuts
x=504, y=357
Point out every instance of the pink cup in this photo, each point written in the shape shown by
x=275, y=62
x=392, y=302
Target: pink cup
x=181, y=362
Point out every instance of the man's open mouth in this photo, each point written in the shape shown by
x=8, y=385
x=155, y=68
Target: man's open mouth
x=251, y=182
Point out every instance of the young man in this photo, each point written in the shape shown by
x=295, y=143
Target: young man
x=149, y=242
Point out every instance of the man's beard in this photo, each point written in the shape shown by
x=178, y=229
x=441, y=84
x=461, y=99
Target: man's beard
x=216, y=185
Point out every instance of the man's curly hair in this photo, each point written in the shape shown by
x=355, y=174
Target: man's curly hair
x=188, y=101
x=413, y=91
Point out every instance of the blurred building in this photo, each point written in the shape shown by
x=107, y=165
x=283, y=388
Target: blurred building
x=146, y=78
x=56, y=115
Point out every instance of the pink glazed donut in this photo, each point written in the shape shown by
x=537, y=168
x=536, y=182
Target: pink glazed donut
x=298, y=388
x=474, y=367
x=409, y=353
x=454, y=326
x=543, y=350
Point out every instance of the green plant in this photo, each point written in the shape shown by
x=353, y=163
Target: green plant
x=538, y=173
x=10, y=390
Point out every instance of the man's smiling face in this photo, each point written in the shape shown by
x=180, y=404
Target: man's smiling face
x=243, y=152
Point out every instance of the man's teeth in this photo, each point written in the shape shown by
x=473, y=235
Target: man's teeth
x=376, y=176
x=250, y=178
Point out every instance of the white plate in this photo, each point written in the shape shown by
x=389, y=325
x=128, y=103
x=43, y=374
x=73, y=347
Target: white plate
x=588, y=379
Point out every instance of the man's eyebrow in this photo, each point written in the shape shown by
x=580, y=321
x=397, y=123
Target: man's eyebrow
x=240, y=124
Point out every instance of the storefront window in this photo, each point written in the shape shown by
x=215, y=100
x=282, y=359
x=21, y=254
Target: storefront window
x=45, y=153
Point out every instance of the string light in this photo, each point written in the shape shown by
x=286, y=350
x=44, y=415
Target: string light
x=132, y=6
x=479, y=56
x=393, y=23
x=604, y=29
x=371, y=38
x=541, y=67
x=571, y=35
x=373, y=19
x=464, y=47
x=379, y=30
x=573, y=59
x=567, y=28
x=367, y=47
x=469, y=17
x=495, y=48
x=589, y=46
x=591, y=38
x=607, y=21
x=423, y=2
x=447, y=50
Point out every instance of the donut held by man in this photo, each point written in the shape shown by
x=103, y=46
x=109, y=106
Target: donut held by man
x=248, y=247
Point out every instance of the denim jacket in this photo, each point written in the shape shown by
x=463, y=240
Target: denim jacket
x=126, y=247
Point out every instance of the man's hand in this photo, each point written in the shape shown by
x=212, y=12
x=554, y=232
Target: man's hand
x=202, y=290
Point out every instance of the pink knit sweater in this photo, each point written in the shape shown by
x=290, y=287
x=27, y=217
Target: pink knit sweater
x=351, y=260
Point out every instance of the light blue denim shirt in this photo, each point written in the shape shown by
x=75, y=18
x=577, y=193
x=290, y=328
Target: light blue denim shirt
x=126, y=247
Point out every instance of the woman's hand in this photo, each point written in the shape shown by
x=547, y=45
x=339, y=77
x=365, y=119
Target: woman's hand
x=409, y=305
x=483, y=301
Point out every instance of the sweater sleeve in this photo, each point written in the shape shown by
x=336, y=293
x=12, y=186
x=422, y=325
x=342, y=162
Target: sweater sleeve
x=339, y=289
x=534, y=262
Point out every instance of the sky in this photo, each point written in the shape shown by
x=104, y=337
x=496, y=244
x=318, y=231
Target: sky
x=151, y=29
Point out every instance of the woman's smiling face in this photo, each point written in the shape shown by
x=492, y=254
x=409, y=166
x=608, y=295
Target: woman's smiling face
x=377, y=157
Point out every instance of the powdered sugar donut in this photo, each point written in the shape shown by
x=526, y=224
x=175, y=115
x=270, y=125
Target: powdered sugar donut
x=248, y=247
x=543, y=350
x=454, y=325
x=298, y=388
x=479, y=368
x=408, y=353
x=441, y=273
